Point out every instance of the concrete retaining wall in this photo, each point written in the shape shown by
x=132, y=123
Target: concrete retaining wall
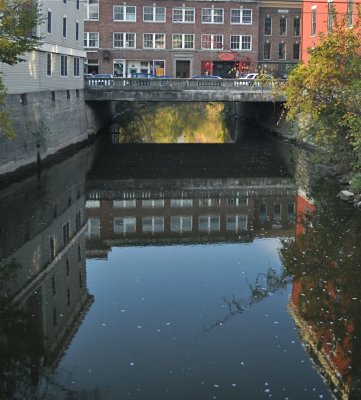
x=45, y=123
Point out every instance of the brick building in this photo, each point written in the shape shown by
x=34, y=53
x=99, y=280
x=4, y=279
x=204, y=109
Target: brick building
x=175, y=38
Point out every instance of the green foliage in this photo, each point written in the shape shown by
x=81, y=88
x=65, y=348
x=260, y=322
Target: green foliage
x=324, y=95
x=17, y=18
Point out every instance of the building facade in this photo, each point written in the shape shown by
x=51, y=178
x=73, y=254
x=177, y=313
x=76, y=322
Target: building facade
x=58, y=62
x=319, y=16
x=279, y=36
x=180, y=39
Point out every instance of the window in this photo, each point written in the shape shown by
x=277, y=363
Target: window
x=68, y=94
x=313, y=21
x=213, y=42
x=78, y=4
x=66, y=233
x=296, y=26
x=330, y=15
x=124, y=40
x=181, y=203
x=67, y=267
x=236, y=223
x=181, y=224
x=51, y=247
x=296, y=51
x=124, y=13
x=207, y=223
x=93, y=228
x=53, y=285
x=242, y=16
x=268, y=25
x=79, y=253
x=80, y=280
x=237, y=201
x=49, y=22
x=184, y=15
x=283, y=26
x=154, y=40
x=92, y=10
x=124, y=225
x=68, y=297
x=76, y=66
x=124, y=203
x=212, y=15
x=282, y=51
x=153, y=224
x=63, y=65
x=209, y=202
x=267, y=51
x=154, y=14
x=158, y=203
x=277, y=212
x=350, y=7
x=64, y=1
x=243, y=42
x=183, y=41
x=48, y=64
x=263, y=212
x=91, y=39
x=64, y=27
x=77, y=31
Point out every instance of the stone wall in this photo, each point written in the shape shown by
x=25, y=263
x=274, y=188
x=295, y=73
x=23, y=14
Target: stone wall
x=45, y=123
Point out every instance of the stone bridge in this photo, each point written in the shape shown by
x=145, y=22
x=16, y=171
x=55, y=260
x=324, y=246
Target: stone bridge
x=182, y=90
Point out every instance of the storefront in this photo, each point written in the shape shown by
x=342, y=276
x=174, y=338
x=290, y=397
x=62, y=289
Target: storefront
x=228, y=65
x=124, y=68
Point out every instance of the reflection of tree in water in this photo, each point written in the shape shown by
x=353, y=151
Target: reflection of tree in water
x=325, y=262
x=175, y=123
x=266, y=285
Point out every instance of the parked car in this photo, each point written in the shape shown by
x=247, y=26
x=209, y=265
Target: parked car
x=257, y=79
x=142, y=75
x=206, y=77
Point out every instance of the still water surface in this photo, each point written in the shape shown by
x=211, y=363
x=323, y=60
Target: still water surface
x=179, y=272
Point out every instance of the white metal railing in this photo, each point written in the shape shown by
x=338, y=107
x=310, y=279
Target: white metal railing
x=166, y=84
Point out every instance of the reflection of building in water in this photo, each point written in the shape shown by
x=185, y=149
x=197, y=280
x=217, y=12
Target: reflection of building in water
x=188, y=211
x=43, y=255
x=324, y=310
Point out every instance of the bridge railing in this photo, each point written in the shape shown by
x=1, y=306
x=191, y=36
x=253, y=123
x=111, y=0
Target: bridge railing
x=167, y=84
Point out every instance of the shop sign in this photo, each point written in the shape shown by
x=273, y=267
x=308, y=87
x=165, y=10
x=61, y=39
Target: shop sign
x=226, y=56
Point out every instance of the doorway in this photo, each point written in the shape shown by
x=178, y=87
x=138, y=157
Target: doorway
x=182, y=68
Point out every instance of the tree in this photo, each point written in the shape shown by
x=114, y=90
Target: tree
x=17, y=19
x=324, y=95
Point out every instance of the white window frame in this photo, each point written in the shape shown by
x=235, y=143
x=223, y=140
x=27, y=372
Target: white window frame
x=183, y=42
x=126, y=222
x=283, y=18
x=125, y=40
x=177, y=223
x=154, y=41
x=125, y=13
x=153, y=203
x=241, y=16
x=153, y=220
x=154, y=14
x=240, y=222
x=91, y=10
x=94, y=228
x=241, y=42
x=180, y=203
x=132, y=203
x=205, y=224
x=63, y=66
x=87, y=40
x=183, y=15
x=212, y=15
x=212, y=42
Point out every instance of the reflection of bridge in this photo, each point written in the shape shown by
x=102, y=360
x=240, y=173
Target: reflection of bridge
x=181, y=90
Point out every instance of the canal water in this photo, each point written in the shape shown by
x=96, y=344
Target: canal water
x=180, y=271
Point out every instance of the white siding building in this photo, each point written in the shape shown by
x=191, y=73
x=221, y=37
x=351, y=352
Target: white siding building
x=59, y=61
